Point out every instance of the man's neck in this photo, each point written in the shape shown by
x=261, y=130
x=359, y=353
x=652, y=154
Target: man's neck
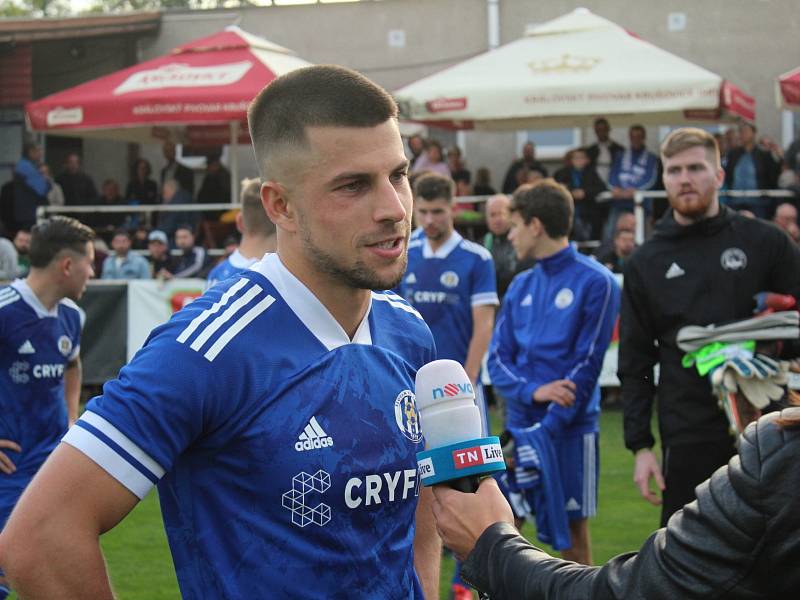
x=713, y=211
x=347, y=305
x=548, y=247
x=749, y=147
x=41, y=284
x=436, y=244
x=256, y=246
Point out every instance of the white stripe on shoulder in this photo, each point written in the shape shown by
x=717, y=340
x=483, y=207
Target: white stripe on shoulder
x=226, y=316
x=234, y=329
x=215, y=308
x=476, y=249
x=396, y=302
x=9, y=296
x=111, y=462
x=416, y=243
x=81, y=313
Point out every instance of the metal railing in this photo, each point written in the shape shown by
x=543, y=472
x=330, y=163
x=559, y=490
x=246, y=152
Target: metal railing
x=640, y=196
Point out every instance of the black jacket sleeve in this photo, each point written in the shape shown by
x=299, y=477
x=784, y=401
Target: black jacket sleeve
x=738, y=539
x=637, y=357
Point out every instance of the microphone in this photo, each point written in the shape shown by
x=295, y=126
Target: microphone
x=455, y=453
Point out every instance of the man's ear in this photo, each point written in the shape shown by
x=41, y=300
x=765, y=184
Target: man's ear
x=278, y=207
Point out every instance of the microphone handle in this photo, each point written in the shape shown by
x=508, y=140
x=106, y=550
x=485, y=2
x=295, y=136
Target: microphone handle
x=468, y=485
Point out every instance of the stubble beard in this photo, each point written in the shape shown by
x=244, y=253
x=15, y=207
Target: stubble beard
x=358, y=275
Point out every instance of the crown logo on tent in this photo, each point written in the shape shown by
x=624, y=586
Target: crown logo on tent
x=565, y=63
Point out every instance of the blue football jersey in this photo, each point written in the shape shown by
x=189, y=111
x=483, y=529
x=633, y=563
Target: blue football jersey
x=284, y=452
x=234, y=264
x=35, y=346
x=444, y=286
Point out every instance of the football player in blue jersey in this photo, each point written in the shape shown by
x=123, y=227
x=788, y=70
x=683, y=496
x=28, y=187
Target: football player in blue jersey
x=258, y=235
x=40, y=365
x=451, y=282
x=276, y=412
x=548, y=346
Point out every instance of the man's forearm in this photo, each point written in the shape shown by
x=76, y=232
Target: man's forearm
x=477, y=349
x=427, y=546
x=72, y=390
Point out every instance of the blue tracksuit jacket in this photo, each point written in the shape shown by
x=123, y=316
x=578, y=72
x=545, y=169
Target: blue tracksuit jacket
x=556, y=322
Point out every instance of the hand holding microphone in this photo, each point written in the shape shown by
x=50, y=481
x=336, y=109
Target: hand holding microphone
x=455, y=453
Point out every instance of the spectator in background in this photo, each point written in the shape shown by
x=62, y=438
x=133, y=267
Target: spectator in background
x=193, y=260
x=78, y=186
x=124, y=264
x=463, y=185
x=8, y=260
x=106, y=223
x=258, y=235
x=216, y=186
x=519, y=171
x=175, y=170
x=30, y=187
x=173, y=193
x=141, y=188
x=603, y=152
x=55, y=197
x=22, y=244
x=456, y=165
x=786, y=218
x=416, y=146
x=483, y=183
x=506, y=263
x=623, y=245
x=583, y=182
x=634, y=169
x=433, y=160
x=162, y=264
x=750, y=167
x=792, y=156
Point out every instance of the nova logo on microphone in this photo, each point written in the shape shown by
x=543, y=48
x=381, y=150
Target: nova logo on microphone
x=477, y=455
x=451, y=390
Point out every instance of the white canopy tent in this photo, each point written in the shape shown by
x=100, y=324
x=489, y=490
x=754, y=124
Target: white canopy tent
x=567, y=71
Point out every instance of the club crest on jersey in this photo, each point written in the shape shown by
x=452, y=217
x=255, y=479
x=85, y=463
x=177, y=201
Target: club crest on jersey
x=64, y=345
x=564, y=298
x=449, y=279
x=733, y=259
x=407, y=416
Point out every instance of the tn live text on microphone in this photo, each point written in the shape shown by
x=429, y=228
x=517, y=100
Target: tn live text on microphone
x=456, y=453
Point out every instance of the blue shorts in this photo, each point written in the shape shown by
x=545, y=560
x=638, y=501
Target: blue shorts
x=578, y=465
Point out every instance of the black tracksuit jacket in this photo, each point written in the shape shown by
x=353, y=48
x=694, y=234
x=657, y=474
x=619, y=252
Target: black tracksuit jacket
x=691, y=275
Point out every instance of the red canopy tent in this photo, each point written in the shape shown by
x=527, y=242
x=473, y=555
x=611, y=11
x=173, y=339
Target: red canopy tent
x=788, y=90
x=196, y=94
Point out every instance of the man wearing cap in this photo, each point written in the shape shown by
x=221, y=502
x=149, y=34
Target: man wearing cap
x=161, y=263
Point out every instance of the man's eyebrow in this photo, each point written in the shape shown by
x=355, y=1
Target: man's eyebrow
x=358, y=175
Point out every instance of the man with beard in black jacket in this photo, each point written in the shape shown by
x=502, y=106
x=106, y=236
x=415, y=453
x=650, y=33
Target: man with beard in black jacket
x=703, y=265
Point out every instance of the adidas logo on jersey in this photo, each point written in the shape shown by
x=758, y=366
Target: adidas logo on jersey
x=26, y=348
x=527, y=300
x=572, y=504
x=674, y=271
x=313, y=437
x=411, y=279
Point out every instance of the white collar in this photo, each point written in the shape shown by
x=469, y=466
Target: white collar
x=32, y=300
x=311, y=312
x=238, y=260
x=445, y=249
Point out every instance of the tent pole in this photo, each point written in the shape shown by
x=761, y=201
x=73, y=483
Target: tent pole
x=234, y=160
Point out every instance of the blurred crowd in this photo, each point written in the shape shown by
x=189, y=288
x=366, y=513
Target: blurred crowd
x=602, y=178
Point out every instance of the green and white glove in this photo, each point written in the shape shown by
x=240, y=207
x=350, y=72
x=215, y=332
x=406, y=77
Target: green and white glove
x=759, y=378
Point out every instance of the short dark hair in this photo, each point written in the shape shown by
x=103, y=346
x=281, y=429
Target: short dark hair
x=254, y=216
x=55, y=235
x=601, y=121
x=638, y=128
x=317, y=96
x=548, y=201
x=122, y=231
x=185, y=226
x=433, y=186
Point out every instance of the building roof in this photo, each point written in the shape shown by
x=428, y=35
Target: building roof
x=17, y=30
